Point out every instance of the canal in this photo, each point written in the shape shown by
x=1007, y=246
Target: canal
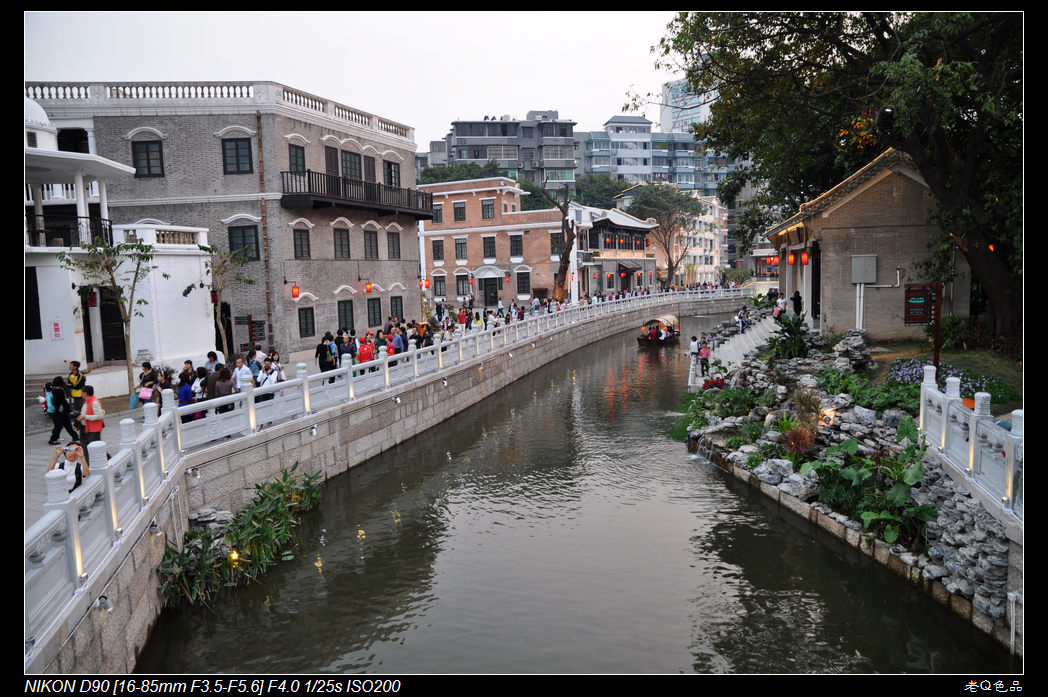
x=555, y=528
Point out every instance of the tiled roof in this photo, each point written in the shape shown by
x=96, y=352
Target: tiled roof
x=885, y=160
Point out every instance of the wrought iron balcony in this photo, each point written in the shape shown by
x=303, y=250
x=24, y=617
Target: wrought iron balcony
x=66, y=230
x=318, y=190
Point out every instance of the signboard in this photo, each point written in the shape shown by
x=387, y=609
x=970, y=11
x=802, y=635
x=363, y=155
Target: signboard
x=256, y=331
x=920, y=303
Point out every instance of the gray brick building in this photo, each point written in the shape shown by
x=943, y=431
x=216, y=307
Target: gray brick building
x=850, y=253
x=312, y=192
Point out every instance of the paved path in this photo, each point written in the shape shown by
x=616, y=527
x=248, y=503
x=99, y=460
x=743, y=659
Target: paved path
x=739, y=345
x=38, y=454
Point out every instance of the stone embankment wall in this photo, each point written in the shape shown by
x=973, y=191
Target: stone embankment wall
x=974, y=564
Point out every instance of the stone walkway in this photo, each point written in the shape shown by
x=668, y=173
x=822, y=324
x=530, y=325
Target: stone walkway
x=38, y=454
x=734, y=349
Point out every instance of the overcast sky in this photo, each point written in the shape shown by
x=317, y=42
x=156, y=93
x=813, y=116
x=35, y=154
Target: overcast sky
x=418, y=68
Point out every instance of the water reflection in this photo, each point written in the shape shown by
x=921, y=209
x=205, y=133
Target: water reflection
x=554, y=528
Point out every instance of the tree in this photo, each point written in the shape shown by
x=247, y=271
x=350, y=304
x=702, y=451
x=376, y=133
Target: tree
x=225, y=268
x=599, y=190
x=567, y=231
x=675, y=212
x=739, y=276
x=811, y=97
x=120, y=268
x=459, y=172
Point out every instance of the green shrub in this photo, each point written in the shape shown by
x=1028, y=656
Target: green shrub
x=785, y=423
x=772, y=451
x=752, y=430
x=735, y=442
x=770, y=398
x=754, y=460
x=254, y=540
x=790, y=339
x=955, y=333
x=735, y=402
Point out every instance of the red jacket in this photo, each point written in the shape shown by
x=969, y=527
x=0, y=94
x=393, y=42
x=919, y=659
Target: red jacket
x=92, y=426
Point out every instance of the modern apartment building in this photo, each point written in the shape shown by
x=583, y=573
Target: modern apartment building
x=314, y=194
x=539, y=148
x=628, y=150
x=681, y=109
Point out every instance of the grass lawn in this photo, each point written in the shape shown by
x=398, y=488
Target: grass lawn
x=993, y=365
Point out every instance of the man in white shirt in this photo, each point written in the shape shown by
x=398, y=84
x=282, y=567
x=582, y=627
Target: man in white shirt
x=240, y=371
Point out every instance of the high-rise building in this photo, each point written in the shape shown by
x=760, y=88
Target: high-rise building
x=628, y=150
x=681, y=109
x=539, y=148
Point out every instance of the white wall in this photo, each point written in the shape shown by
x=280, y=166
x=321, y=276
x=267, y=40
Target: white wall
x=172, y=329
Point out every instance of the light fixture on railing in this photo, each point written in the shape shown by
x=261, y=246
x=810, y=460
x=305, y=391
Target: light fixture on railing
x=104, y=602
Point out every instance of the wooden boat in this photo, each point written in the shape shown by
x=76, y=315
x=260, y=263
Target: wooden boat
x=672, y=325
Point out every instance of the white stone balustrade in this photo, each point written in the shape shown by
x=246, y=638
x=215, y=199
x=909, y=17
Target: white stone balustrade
x=989, y=456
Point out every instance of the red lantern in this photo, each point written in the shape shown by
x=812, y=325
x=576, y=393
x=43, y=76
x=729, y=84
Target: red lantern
x=367, y=287
x=776, y=260
x=790, y=259
x=804, y=258
x=638, y=275
x=471, y=280
x=427, y=284
x=622, y=274
x=294, y=292
x=594, y=276
x=649, y=275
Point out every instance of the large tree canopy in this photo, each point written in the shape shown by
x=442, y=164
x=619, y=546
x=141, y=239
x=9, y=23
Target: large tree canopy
x=675, y=212
x=599, y=190
x=811, y=97
x=460, y=172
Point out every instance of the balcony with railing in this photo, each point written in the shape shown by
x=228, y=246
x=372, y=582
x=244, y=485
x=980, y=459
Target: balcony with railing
x=66, y=230
x=319, y=190
x=70, y=231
